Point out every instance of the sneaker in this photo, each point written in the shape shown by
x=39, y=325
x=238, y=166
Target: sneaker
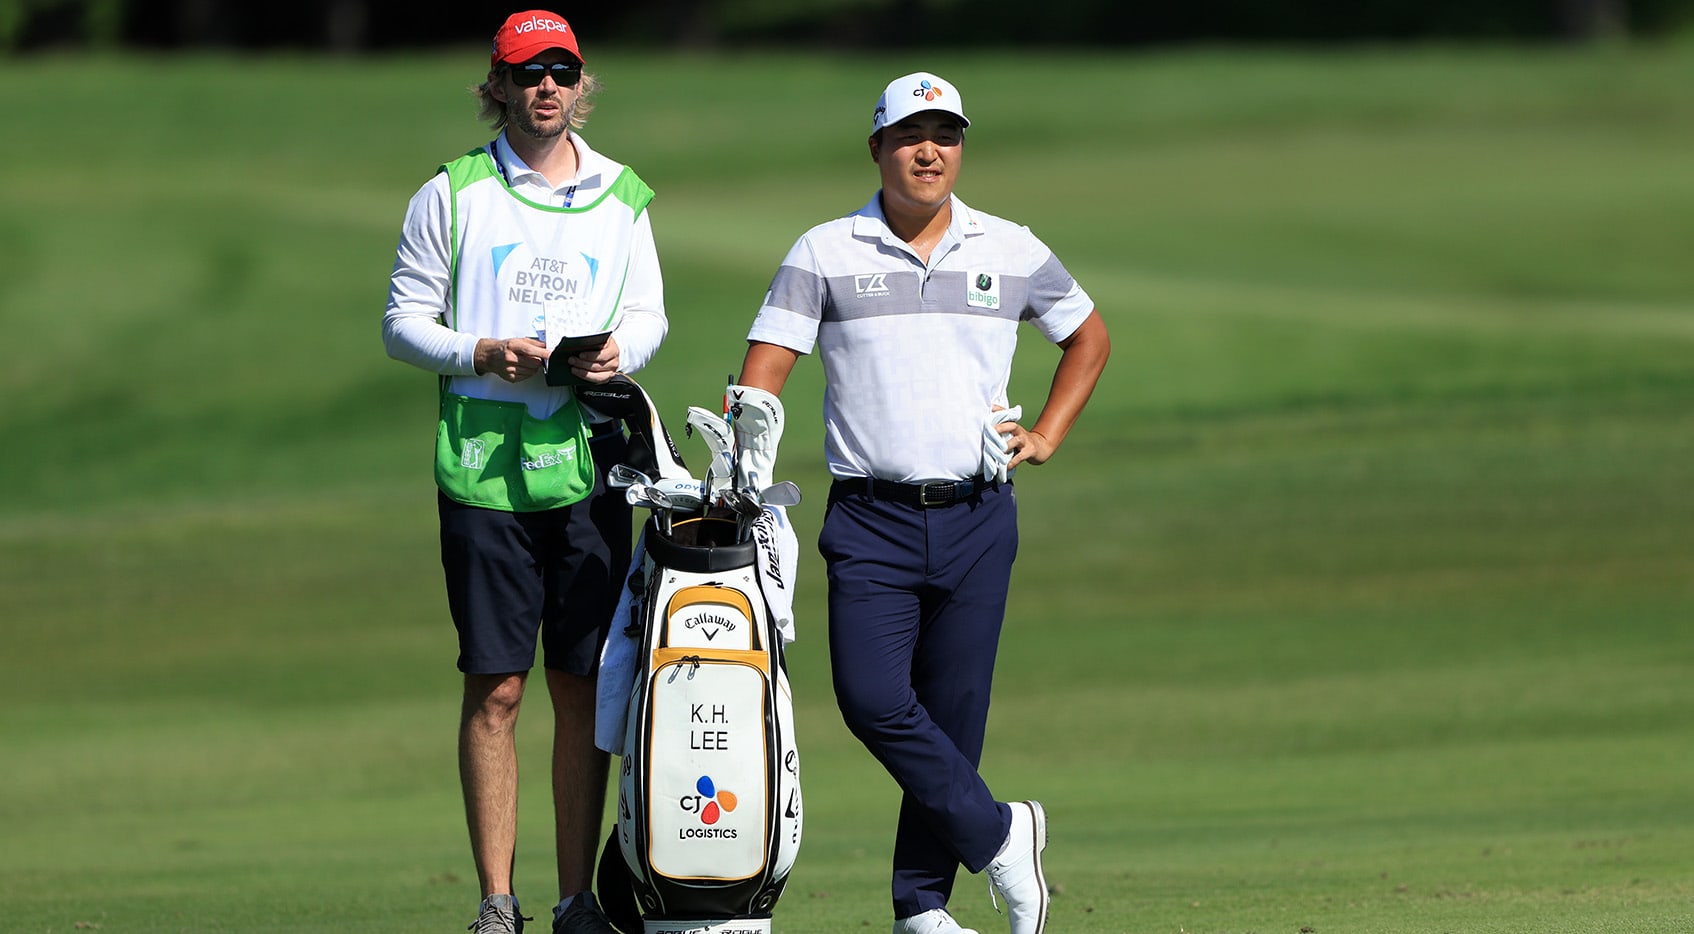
x=498, y=915
x=933, y=921
x=1016, y=872
x=583, y=917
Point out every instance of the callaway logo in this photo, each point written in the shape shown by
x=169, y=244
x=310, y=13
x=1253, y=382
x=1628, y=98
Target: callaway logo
x=926, y=91
x=871, y=286
x=765, y=405
x=716, y=623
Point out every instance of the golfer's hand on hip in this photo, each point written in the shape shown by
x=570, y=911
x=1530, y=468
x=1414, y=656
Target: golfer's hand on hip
x=1026, y=446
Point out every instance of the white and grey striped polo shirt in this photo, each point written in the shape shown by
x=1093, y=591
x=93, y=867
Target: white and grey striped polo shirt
x=914, y=356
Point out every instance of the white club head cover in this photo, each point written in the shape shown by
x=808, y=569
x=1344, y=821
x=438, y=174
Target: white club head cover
x=995, y=454
x=758, y=417
x=715, y=432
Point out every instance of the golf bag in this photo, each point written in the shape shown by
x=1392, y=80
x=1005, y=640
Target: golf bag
x=709, y=806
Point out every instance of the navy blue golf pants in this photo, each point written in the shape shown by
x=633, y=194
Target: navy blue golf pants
x=916, y=600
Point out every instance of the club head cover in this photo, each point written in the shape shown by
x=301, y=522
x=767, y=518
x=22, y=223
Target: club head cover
x=758, y=417
x=713, y=430
x=651, y=449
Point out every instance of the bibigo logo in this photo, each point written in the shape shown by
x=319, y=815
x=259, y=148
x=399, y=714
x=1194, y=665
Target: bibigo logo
x=711, y=803
x=926, y=90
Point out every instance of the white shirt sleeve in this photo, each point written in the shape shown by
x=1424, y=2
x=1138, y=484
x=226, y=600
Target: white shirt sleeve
x=413, y=326
x=793, y=304
x=642, y=324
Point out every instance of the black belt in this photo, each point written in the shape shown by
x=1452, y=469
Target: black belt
x=925, y=495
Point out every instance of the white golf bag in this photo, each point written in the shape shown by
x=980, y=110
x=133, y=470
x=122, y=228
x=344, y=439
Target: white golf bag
x=709, y=807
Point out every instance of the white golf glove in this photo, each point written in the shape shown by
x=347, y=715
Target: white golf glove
x=758, y=417
x=995, y=454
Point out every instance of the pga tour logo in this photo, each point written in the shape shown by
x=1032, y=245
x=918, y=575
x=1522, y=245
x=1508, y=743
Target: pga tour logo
x=473, y=455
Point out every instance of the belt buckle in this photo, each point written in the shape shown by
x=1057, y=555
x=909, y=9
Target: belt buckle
x=944, y=489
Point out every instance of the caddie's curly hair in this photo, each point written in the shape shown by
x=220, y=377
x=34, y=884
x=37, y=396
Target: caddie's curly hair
x=492, y=112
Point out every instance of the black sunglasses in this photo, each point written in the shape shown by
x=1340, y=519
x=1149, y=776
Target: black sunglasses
x=529, y=75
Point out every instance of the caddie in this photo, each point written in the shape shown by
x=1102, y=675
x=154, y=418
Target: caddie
x=913, y=302
x=507, y=251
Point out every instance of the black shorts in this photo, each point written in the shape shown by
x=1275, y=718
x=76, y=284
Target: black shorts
x=511, y=575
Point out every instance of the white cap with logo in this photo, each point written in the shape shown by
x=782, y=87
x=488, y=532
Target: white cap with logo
x=916, y=93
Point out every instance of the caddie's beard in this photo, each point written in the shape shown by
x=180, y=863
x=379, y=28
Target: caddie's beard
x=521, y=118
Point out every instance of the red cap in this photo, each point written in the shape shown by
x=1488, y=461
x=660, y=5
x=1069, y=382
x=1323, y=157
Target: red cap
x=526, y=35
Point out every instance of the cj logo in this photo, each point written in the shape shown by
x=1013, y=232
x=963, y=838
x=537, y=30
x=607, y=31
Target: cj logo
x=926, y=91
x=711, y=802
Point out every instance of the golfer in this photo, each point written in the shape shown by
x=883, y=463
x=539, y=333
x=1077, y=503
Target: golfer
x=529, y=239
x=914, y=302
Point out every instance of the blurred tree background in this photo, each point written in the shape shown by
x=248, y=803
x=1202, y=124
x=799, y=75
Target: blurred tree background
x=352, y=26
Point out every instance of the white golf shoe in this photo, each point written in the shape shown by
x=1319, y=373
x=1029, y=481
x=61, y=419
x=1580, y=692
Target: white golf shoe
x=933, y=921
x=1016, y=873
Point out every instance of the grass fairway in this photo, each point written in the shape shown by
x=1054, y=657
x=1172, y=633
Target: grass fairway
x=1361, y=600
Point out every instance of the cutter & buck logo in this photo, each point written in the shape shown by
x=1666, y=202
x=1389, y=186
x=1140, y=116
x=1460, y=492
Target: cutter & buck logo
x=871, y=285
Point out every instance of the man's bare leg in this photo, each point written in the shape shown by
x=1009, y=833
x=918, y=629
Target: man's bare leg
x=488, y=774
x=579, y=780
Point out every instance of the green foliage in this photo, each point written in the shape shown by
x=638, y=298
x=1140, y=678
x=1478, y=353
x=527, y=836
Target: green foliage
x=1358, y=600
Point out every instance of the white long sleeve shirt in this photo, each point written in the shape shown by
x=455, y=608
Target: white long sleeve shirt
x=413, y=326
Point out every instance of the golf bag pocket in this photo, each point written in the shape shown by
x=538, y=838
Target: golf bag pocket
x=556, y=464
x=708, y=784
x=495, y=454
x=710, y=616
